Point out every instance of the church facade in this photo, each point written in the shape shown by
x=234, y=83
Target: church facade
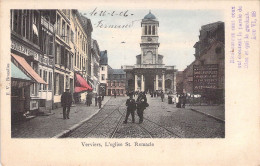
x=150, y=73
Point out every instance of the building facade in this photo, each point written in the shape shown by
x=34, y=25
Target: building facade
x=80, y=43
x=150, y=73
x=95, y=60
x=103, y=72
x=116, y=82
x=206, y=74
x=63, y=69
x=27, y=58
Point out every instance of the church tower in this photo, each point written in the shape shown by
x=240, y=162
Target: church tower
x=149, y=73
x=149, y=42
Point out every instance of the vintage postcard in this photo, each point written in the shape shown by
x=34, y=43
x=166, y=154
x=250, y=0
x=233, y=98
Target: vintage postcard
x=130, y=83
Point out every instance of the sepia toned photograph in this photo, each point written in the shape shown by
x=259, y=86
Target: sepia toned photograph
x=117, y=74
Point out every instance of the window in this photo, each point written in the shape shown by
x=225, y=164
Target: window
x=67, y=82
x=50, y=81
x=58, y=25
x=153, y=30
x=149, y=30
x=145, y=30
x=51, y=45
x=58, y=54
x=63, y=30
x=41, y=77
x=56, y=84
x=68, y=34
x=35, y=27
x=24, y=26
x=102, y=68
x=103, y=77
x=45, y=79
x=72, y=37
x=61, y=83
x=62, y=55
x=76, y=36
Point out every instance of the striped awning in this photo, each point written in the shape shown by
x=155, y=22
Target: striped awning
x=28, y=69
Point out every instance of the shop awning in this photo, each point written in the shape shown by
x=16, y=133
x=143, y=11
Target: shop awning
x=28, y=69
x=81, y=84
x=18, y=78
x=18, y=74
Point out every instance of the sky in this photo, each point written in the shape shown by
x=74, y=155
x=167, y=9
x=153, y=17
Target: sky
x=178, y=32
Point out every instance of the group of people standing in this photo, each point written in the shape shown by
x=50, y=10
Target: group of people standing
x=181, y=101
x=66, y=101
x=140, y=105
x=98, y=99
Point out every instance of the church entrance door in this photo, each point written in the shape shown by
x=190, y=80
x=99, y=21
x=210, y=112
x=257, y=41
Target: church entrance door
x=149, y=83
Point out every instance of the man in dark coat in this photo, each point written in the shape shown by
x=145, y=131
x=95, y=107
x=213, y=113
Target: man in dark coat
x=66, y=100
x=162, y=96
x=131, y=107
x=141, y=106
x=99, y=101
x=96, y=99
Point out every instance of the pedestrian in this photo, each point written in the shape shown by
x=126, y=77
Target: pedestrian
x=96, y=99
x=131, y=107
x=177, y=101
x=89, y=98
x=66, y=100
x=162, y=96
x=183, y=101
x=99, y=101
x=103, y=96
x=141, y=106
x=115, y=94
x=154, y=93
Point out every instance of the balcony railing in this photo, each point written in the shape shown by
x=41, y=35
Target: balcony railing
x=47, y=24
x=150, y=66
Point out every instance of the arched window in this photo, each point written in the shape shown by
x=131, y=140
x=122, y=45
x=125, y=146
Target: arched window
x=149, y=30
x=153, y=30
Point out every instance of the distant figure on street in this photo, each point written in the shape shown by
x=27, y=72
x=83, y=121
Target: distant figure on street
x=66, y=100
x=89, y=99
x=162, y=96
x=96, y=99
x=115, y=94
x=183, y=101
x=99, y=101
x=141, y=106
x=131, y=107
x=178, y=103
x=154, y=93
x=103, y=96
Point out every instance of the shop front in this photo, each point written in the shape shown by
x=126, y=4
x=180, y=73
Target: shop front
x=81, y=86
x=22, y=80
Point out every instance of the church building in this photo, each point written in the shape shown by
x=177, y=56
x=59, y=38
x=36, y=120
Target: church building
x=150, y=73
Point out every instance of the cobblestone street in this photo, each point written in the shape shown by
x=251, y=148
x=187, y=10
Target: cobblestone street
x=161, y=120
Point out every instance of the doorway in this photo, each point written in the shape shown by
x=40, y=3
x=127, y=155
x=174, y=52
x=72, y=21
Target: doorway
x=149, y=83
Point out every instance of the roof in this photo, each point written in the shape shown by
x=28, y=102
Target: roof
x=116, y=71
x=28, y=69
x=103, y=58
x=149, y=16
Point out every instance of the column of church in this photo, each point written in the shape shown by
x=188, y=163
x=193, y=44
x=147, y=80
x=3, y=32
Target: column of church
x=136, y=82
x=156, y=82
x=163, y=82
